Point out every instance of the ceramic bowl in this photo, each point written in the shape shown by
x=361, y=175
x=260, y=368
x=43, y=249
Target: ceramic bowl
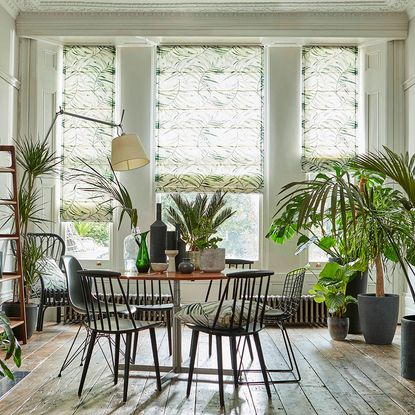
x=159, y=266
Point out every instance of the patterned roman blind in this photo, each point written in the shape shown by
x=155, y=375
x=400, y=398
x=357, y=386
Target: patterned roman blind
x=209, y=131
x=329, y=102
x=89, y=84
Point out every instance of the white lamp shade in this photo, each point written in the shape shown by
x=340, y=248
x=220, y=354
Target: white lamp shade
x=127, y=153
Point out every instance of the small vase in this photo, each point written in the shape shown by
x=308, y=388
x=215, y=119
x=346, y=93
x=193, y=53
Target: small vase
x=131, y=250
x=186, y=267
x=143, y=260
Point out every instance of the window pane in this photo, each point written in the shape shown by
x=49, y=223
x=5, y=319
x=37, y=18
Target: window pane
x=330, y=85
x=88, y=240
x=240, y=233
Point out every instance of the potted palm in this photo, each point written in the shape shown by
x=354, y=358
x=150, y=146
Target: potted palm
x=36, y=160
x=365, y=225
x=199, y=220
x=331, y=289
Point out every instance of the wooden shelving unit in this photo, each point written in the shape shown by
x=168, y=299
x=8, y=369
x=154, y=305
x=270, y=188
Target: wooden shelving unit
x=17, y=276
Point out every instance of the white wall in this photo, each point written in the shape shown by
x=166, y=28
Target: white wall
x=8, y=77
x=9, y=85
x=409, y=90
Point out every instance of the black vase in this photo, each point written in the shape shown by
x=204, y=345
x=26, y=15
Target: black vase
x=181, y=246
x=158, y=232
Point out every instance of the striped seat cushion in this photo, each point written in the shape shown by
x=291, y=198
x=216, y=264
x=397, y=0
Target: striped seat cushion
x=203, y=314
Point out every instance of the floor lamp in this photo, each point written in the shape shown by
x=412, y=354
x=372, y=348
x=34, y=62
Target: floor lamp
x=127, y=151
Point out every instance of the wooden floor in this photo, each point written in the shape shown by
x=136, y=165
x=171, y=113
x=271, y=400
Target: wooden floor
x=338, y=378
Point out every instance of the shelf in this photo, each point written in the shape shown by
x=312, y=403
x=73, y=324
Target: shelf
x=14, y=322
x=7, y=202
x=9, y=277
x=9, y=236
x=7, y=170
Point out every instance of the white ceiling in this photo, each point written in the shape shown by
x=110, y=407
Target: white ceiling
x=203, y=6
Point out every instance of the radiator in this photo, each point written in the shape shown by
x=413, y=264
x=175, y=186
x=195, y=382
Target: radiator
x=309, y=312
x=71, y=316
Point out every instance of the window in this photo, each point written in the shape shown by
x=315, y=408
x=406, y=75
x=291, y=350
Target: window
x=88, y=89
x=330, y=85
x=209, y=132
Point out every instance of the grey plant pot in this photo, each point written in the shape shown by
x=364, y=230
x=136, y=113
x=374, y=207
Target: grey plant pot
x=338, y=327
x=378, y=317
x=212, y=260
x=408, y=347
x=13, y=310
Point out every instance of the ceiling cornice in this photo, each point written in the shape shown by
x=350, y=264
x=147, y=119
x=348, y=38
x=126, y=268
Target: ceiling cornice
x=365, y=25
x=11, y=7
x=207, y=6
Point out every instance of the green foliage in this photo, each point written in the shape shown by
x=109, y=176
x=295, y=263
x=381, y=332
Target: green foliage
x=199, y=218
x=108, y=187
x=36, y=159
x=10, y=346
x=98, y=231
x=331, y=287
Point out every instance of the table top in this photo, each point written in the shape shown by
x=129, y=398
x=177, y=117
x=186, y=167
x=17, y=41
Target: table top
x=174, y=276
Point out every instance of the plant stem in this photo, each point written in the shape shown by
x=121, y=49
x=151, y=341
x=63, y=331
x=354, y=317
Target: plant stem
x=380, y=286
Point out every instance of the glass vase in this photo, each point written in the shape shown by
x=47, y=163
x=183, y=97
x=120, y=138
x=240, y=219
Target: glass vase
x=131, y=249
x=143, y=259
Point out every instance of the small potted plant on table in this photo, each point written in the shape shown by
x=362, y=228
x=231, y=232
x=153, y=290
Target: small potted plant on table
x=199, y=220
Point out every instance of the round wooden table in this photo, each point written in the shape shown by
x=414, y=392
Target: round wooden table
x=176, y=277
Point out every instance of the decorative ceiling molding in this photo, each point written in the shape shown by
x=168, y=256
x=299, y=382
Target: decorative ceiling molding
x=11, y=7
x=206, y=6
x=333, y=25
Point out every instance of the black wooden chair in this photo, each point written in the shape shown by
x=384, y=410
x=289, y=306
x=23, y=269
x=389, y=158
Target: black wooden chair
x=102, y=317
x=237, y=264
x=248, y=291
x=155, y=298
x=51, y=295
x=287, y=307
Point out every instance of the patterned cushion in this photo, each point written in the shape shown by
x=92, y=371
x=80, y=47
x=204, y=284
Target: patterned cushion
x=53, y=277
x=203, y=314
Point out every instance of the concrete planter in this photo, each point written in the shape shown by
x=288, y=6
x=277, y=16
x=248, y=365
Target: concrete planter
x=408, y=347
x=338, y=327
x=378, y=317
x=212, y=260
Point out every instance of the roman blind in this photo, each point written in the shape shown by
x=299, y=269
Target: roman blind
x=88, y=89
x=330, y=87
x=209, y=130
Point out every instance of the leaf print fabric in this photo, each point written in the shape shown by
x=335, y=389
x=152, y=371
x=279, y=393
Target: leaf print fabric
x=329, y=102
x=209, y=130
x=89, y=86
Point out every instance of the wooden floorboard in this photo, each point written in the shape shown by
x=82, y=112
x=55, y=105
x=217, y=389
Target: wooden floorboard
x=347, y=377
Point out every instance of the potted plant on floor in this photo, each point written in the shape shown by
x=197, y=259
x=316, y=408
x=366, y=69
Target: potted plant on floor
x=199, y=220
x=331, y=289
x=36, y=161
x=10, y=346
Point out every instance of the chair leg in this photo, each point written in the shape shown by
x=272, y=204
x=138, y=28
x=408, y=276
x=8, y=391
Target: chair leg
x=220, y=369
x=155, y=357
x=290, y=351
x=127, y=365
x=193, y=349
x=58, y=315
x=116, y=357
x=135, y=345
x=262, y=363
x=68, y=360
x=234, y=351
x=169, y=337
x=210, y=345
x=87, y=360
x=41, y=312
x=251, y=354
